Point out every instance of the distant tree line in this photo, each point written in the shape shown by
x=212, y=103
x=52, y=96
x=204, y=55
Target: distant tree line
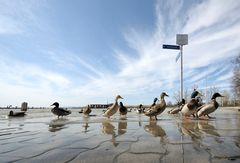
x=236, y=77
x=231, y=97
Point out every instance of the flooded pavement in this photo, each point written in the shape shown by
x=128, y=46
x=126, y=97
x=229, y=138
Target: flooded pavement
x=41, y=137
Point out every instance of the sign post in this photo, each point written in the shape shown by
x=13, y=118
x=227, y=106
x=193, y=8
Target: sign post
x=181, y=39
x=173, y=47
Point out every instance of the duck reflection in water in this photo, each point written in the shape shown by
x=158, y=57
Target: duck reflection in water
x=57, y=124
x=139, y=120
x=85, y=124
x=122, y=126
x=190, y=128
x=207, y=128
x=156, y=130
x=109, y=129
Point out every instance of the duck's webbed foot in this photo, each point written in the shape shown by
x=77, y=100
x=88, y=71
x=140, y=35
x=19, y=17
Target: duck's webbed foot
x=210, y=117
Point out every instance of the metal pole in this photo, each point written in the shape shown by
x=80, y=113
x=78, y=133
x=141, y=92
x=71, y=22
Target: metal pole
x=181, y=52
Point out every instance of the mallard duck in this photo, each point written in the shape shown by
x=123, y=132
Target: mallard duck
x=140, y=109
x=154, y=102
x=16, y=114
x=122, y=109
x=209, y=108
x=113, y=108
x=157, y=109
x=191, y=107
x=81, y=111
x=178, y=108
x=59, y=111
x=87, y=111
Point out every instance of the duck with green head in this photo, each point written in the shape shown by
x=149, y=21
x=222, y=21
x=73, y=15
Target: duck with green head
x=209, y=108
x=191, y=107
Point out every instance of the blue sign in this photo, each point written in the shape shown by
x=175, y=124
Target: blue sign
x=174, y=47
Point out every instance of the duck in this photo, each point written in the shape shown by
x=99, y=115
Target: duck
x=59, y=111
x=16, y=114
x=140, y=109
x=81, y=111
x=178, y=108
x=154, y=102
x=87, y=111
x=113, y=108
x=122, y=109
x=157, y=109
x=209, y=108
x=191, y=107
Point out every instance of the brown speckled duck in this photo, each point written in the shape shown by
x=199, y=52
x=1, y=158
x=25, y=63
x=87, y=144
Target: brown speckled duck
x=157, y=109
x=113, y=108
x=87, y=110
x=191, y=107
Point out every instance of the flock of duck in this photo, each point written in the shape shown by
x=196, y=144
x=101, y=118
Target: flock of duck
x=194, y=107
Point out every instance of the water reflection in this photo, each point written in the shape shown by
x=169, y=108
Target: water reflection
x=190, y=128
x=207, y=128
x=85, y=124
x=139, y=120
x=122, y=127
x=57, y=124
x=109, y=129
x=156, y=130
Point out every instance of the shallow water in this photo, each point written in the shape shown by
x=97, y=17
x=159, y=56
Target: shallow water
x=41, y=137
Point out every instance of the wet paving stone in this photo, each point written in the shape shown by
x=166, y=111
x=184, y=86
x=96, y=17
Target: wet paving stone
x=41, y=137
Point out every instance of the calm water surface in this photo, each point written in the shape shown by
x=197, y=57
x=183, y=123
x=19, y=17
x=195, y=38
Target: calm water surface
x=41, y=137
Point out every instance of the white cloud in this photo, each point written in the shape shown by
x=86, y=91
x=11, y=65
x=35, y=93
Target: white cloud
x=214, y=37
x=16, y=16
x=211, y=12
x=153, y=67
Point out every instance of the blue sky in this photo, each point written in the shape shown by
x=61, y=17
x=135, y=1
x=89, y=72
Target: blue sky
x=79, y=52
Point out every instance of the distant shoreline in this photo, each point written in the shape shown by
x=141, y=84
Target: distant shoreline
x=130, y=107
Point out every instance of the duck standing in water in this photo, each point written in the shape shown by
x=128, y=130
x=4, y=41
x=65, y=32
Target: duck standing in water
x=113, y=108
x=81, y=111
x=209, y=108
x=157, y=109
x=122, y=109
x=140, y=109
x=16, y=114
x=191, y=107
x=87, y=111
x=59, y=111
